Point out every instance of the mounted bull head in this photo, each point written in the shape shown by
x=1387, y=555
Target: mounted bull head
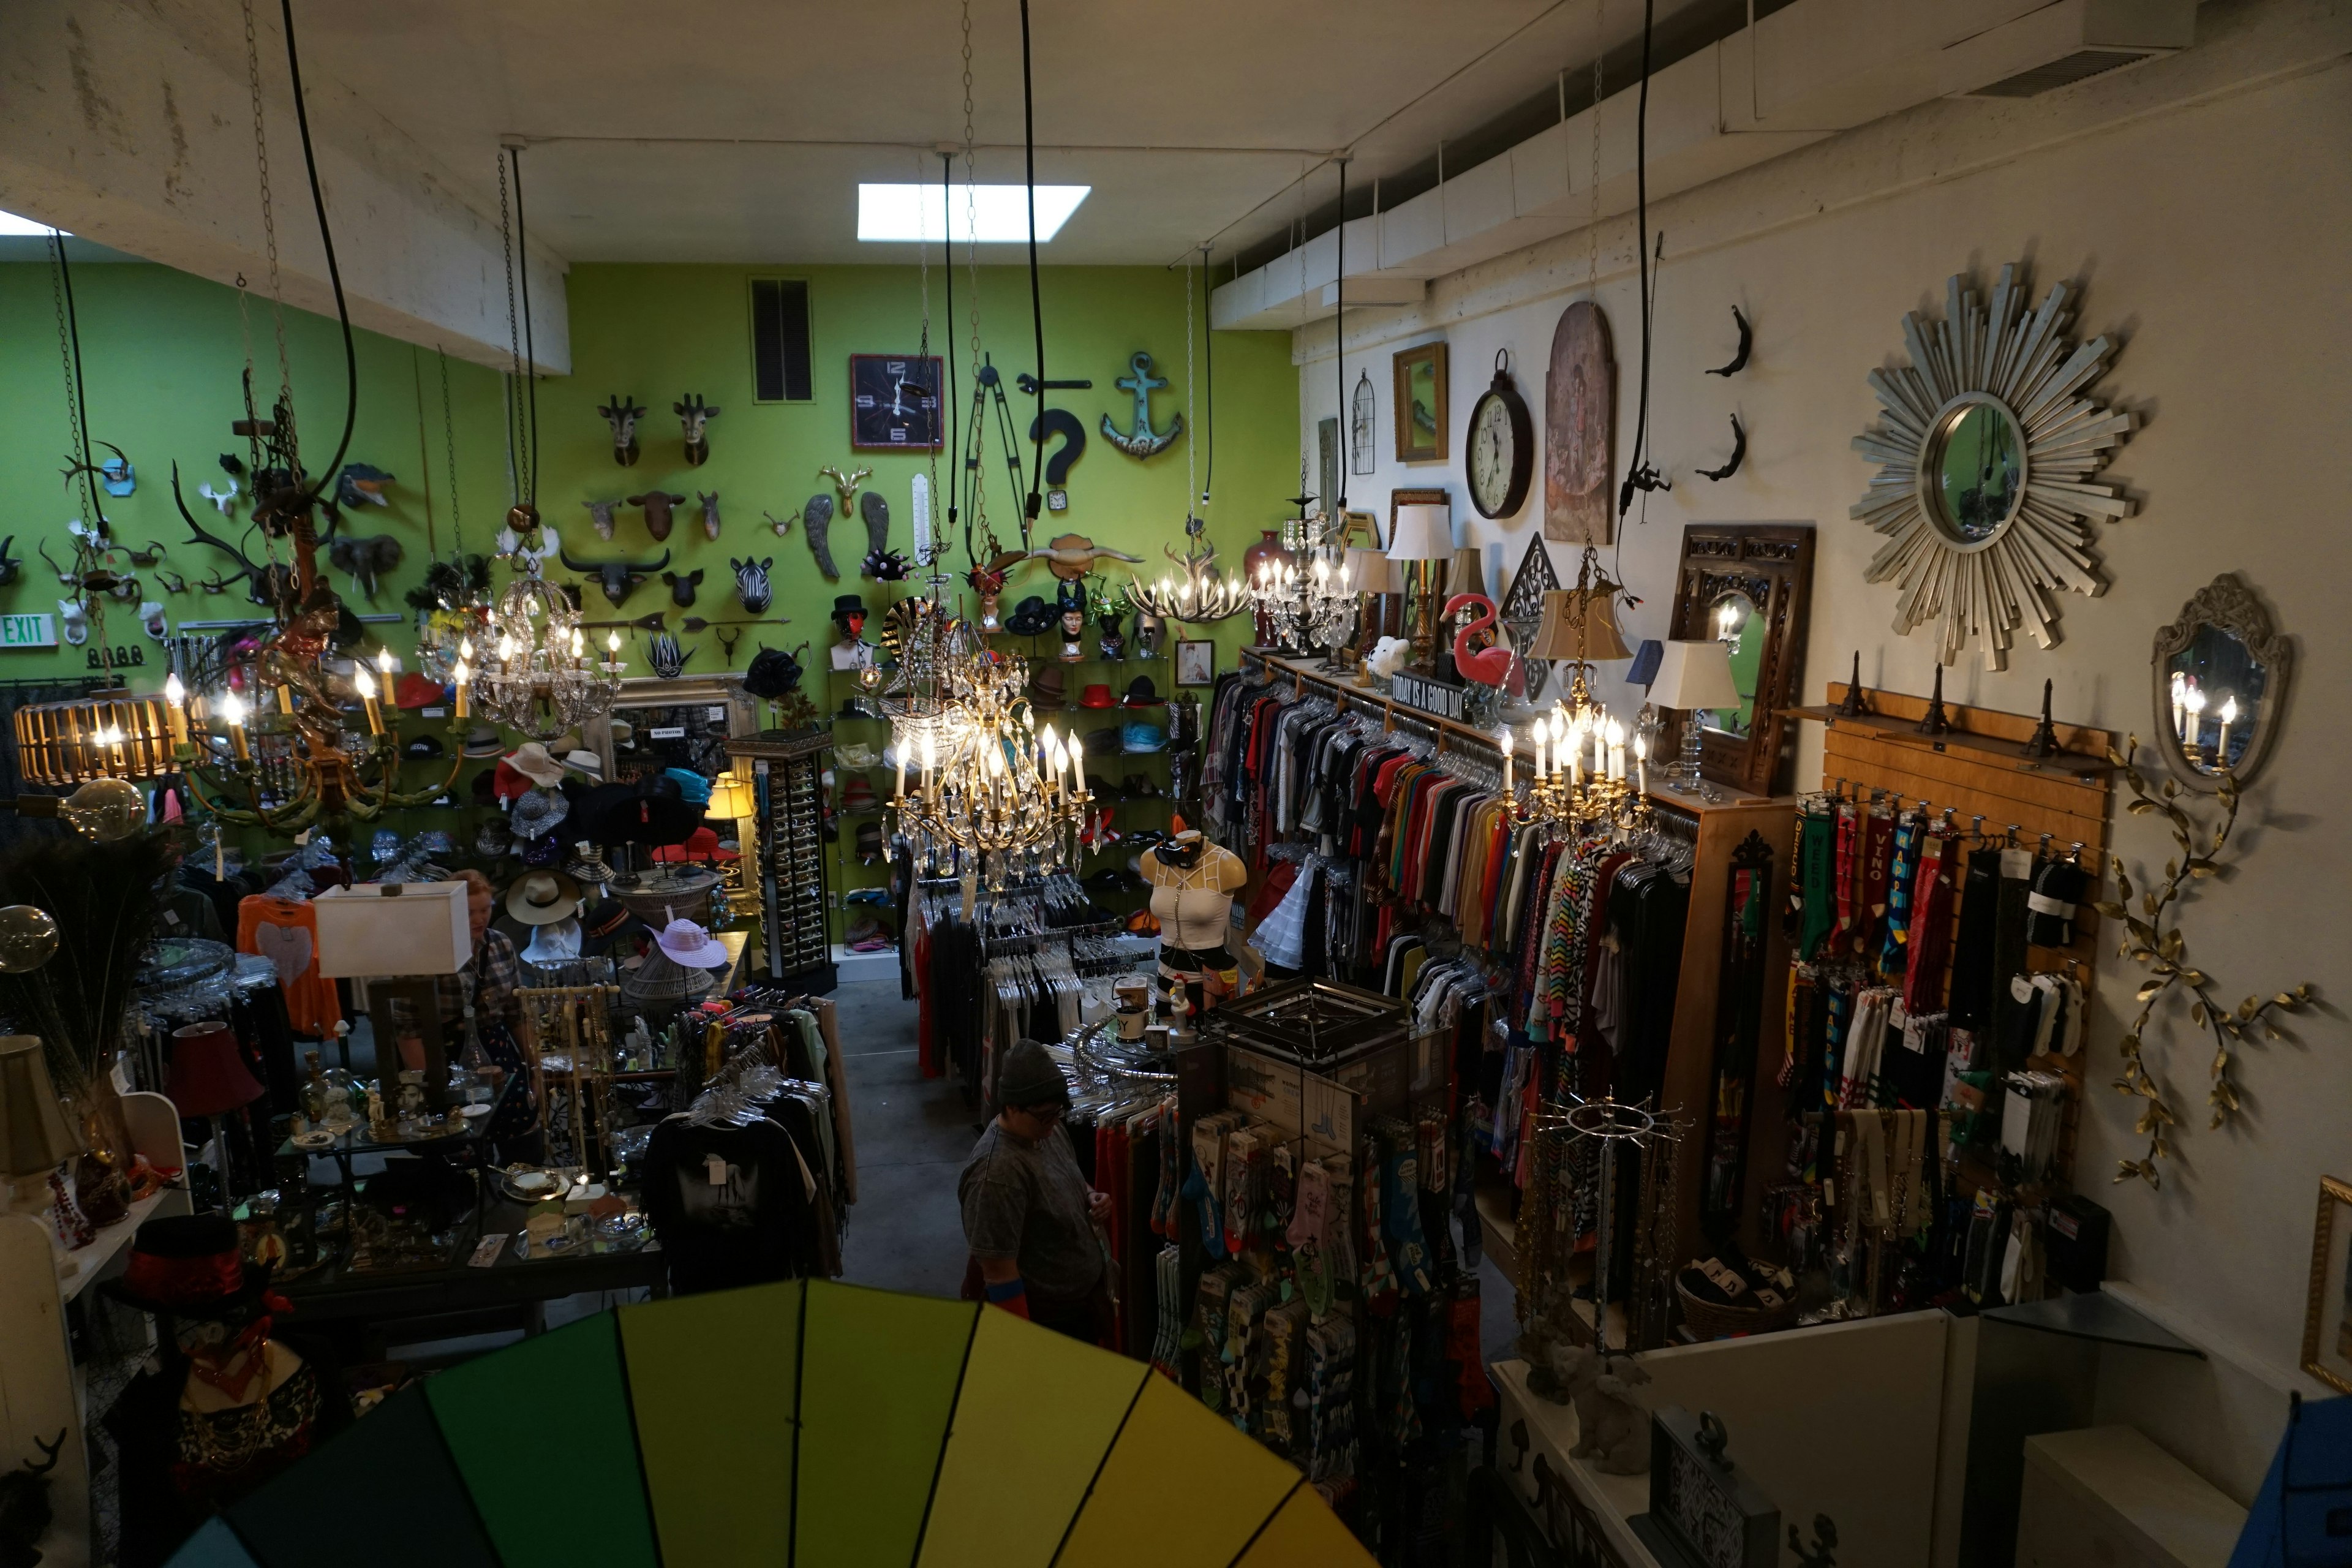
x=709, y=513
x=667, y=658
x=622, y=413
x=657, y=504
x=693, y=415
x=619, y=579
x=751, y=585
x=682, y=585
x=600, y=512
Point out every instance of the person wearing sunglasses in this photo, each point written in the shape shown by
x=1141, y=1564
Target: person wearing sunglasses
x=1029, y=1218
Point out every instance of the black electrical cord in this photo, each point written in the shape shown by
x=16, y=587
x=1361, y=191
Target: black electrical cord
x=1037, y=309
x=1339, y=348
x=1209, y=376
x=81, y=403
x=1638, y=475
x=334, y=274
x=529, y=352
x=947, y=392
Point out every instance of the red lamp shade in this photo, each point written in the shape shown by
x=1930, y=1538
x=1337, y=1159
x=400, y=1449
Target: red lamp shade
x=208, y=1072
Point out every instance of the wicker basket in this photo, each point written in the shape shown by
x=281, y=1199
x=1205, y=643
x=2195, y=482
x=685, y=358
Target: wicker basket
x=1714, y=1320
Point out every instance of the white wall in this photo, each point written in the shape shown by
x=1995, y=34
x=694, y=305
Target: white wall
x=2204, y=205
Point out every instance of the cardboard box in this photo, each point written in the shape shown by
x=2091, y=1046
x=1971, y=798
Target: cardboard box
x=407, y=928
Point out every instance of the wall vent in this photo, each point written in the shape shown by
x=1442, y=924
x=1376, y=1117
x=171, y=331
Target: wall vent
x=779, y=341
x=2065, y=71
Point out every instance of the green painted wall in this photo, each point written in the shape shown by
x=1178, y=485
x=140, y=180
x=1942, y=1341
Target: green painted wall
x=162, y=349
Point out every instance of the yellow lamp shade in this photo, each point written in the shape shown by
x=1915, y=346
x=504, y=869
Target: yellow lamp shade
x=730, y=799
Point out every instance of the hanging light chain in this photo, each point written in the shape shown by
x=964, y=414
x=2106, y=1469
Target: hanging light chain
x=285, y=412
x=449, y=434
x=1592, y=184
x=976, y=514
x=79, y=451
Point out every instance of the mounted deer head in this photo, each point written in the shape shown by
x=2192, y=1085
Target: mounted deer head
x=12, y=567
x=600, y=512
x=682, y=585
x=751, y=585
x=73, y=620
x=657, y=504
x=693, y=416
x=709, y=513
x=619, y=579
x=622, y=413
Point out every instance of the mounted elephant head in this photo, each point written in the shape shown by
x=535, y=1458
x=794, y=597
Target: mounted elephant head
x=709, y=513
x=619, y=579
x=751, y=585
x=600, y=512
x=682, y=585
x=693, y=416
x=657, y=504
x=622, y=413
x=367, y=560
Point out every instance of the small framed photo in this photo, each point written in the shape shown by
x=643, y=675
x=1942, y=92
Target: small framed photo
x=1196, y=662
x=2328, y=1318
x=1421, y=411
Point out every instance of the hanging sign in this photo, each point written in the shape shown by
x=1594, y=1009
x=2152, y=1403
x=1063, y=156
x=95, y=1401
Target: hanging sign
x=28, y=631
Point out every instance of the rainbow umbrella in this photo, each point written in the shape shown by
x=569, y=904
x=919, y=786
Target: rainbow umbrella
x=816, y=1424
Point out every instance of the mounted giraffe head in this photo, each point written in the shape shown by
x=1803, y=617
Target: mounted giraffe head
x=693, y=415
x=622, y=413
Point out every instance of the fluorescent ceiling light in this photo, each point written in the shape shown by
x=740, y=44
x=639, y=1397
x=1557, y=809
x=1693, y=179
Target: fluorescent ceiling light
x=994, y=214
x=10, y=224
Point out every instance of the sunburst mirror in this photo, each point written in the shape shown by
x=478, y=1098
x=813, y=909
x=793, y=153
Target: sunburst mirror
x=1986, y=445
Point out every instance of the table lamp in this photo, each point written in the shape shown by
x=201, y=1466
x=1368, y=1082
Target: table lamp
x=209, y=1079
x=1372, y=573
x=1694, y=677
x=1422, y=535
x=34, y=1136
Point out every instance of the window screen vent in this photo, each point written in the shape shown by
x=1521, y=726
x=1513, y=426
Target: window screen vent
x=779, y=341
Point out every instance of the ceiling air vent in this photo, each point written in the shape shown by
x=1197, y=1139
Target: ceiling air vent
x=2065, y=72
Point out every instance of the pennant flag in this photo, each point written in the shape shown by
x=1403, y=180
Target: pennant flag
x=795, y=1423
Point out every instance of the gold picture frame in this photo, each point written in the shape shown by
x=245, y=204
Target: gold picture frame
x=1421, y=414
x=2327, y=1316
x=1356, y=525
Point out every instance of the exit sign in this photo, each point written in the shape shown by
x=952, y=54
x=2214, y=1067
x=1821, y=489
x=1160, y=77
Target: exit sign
x=28, y=631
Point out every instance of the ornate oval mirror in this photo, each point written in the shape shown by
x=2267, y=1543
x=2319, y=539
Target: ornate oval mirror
x=1740, y=627
x=1972, y=470
x=2221, y=675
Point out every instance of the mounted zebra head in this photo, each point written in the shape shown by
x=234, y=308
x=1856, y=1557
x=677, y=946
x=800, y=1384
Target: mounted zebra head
x=751, y=585
x=693, y=415
x=622, y=413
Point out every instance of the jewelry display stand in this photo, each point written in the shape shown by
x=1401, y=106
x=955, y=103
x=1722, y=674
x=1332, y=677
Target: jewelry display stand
x=785, y=858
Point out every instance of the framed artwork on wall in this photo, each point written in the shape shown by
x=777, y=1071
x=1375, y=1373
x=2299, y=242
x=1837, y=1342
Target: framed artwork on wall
x=1421, y=407
x=1580, y=424
x=894, y=403
x=2327, y=1316
x=1196, y=662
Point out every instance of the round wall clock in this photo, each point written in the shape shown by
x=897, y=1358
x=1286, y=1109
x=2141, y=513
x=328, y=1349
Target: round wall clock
x=1502, y=445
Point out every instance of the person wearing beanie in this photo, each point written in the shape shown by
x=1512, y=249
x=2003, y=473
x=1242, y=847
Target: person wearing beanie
x=1028, y=1215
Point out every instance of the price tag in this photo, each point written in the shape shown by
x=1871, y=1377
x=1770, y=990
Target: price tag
x=668, y=732
x=433, y=713
x=486, y=1251
x=718, y=712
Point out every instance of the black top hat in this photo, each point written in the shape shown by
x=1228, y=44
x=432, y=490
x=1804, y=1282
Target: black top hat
x=847, y=604
x=189, y=1266
x=1030, y=617
x=1142, y=693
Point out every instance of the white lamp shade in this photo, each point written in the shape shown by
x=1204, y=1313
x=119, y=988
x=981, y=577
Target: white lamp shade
x=1370, y=572
x=1694, y=674
x=1422, y=533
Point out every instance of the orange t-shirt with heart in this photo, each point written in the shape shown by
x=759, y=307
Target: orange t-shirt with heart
x=286, y=933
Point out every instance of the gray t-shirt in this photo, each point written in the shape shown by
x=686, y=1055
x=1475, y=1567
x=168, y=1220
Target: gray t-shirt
x=1027, y=1201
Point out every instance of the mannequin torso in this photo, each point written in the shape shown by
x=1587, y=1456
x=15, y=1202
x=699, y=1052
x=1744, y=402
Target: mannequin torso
x=1192, y=886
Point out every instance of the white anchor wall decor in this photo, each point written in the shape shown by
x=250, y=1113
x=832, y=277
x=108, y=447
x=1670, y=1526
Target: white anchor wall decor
x=1142, y=442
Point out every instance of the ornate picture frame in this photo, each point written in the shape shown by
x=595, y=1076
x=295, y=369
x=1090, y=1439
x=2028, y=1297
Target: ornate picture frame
x=1772, y=564
x=1419, y=391
x=2327, y=1313
x=1986, y=446
x=2225, y=605
x=1579, y=464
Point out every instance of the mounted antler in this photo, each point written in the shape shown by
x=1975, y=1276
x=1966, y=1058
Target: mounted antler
x=248, y=568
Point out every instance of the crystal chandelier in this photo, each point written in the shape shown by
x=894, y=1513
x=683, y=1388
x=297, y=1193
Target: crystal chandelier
x=990, y=781
x=537, y=677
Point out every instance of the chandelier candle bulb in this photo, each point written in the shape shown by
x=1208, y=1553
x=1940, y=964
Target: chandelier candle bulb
x=175, y=707
x=1641, y=762
x=365, y=685
x=1539, y=753
x=232, y=712
x=1616, y=750
x=2192, y=732
x=459, y=677
x=2229, y=717
x=1503, y=743
x=286, y=701
x=930, y=758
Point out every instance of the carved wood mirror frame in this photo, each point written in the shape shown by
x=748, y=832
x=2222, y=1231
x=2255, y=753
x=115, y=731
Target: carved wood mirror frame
x=1772, y=564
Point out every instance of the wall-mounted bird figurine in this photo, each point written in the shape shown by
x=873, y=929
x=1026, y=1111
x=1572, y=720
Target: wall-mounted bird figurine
x=1071, y=556
x=363, y=484
x=600, y=515
x=622, y=413
x=657, y=504
x=1747, y=340
x=709, y=513
x=1142, y=441
x=694, y=417
x=682, y=585
x=1738, y=455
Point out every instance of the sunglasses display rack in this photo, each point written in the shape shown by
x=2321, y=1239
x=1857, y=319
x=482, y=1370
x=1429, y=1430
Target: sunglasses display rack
x=788, y=841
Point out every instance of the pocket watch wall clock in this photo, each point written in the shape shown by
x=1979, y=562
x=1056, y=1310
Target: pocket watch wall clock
x=1502, y=442
x=893, y=402
x=1987, y=449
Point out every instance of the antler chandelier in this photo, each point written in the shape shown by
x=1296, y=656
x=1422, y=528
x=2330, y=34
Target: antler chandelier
x=990, y=781
x=537, y=677
x=1203, y=595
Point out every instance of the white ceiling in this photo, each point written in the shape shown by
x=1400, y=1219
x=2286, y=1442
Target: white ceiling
x=738, y=130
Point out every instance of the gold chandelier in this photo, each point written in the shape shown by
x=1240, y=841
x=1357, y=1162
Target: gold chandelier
x=990, y=781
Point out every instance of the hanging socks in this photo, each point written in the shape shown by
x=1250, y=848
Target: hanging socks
x=1311, y=1238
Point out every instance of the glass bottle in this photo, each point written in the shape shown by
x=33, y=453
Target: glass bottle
x=315, y=1092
